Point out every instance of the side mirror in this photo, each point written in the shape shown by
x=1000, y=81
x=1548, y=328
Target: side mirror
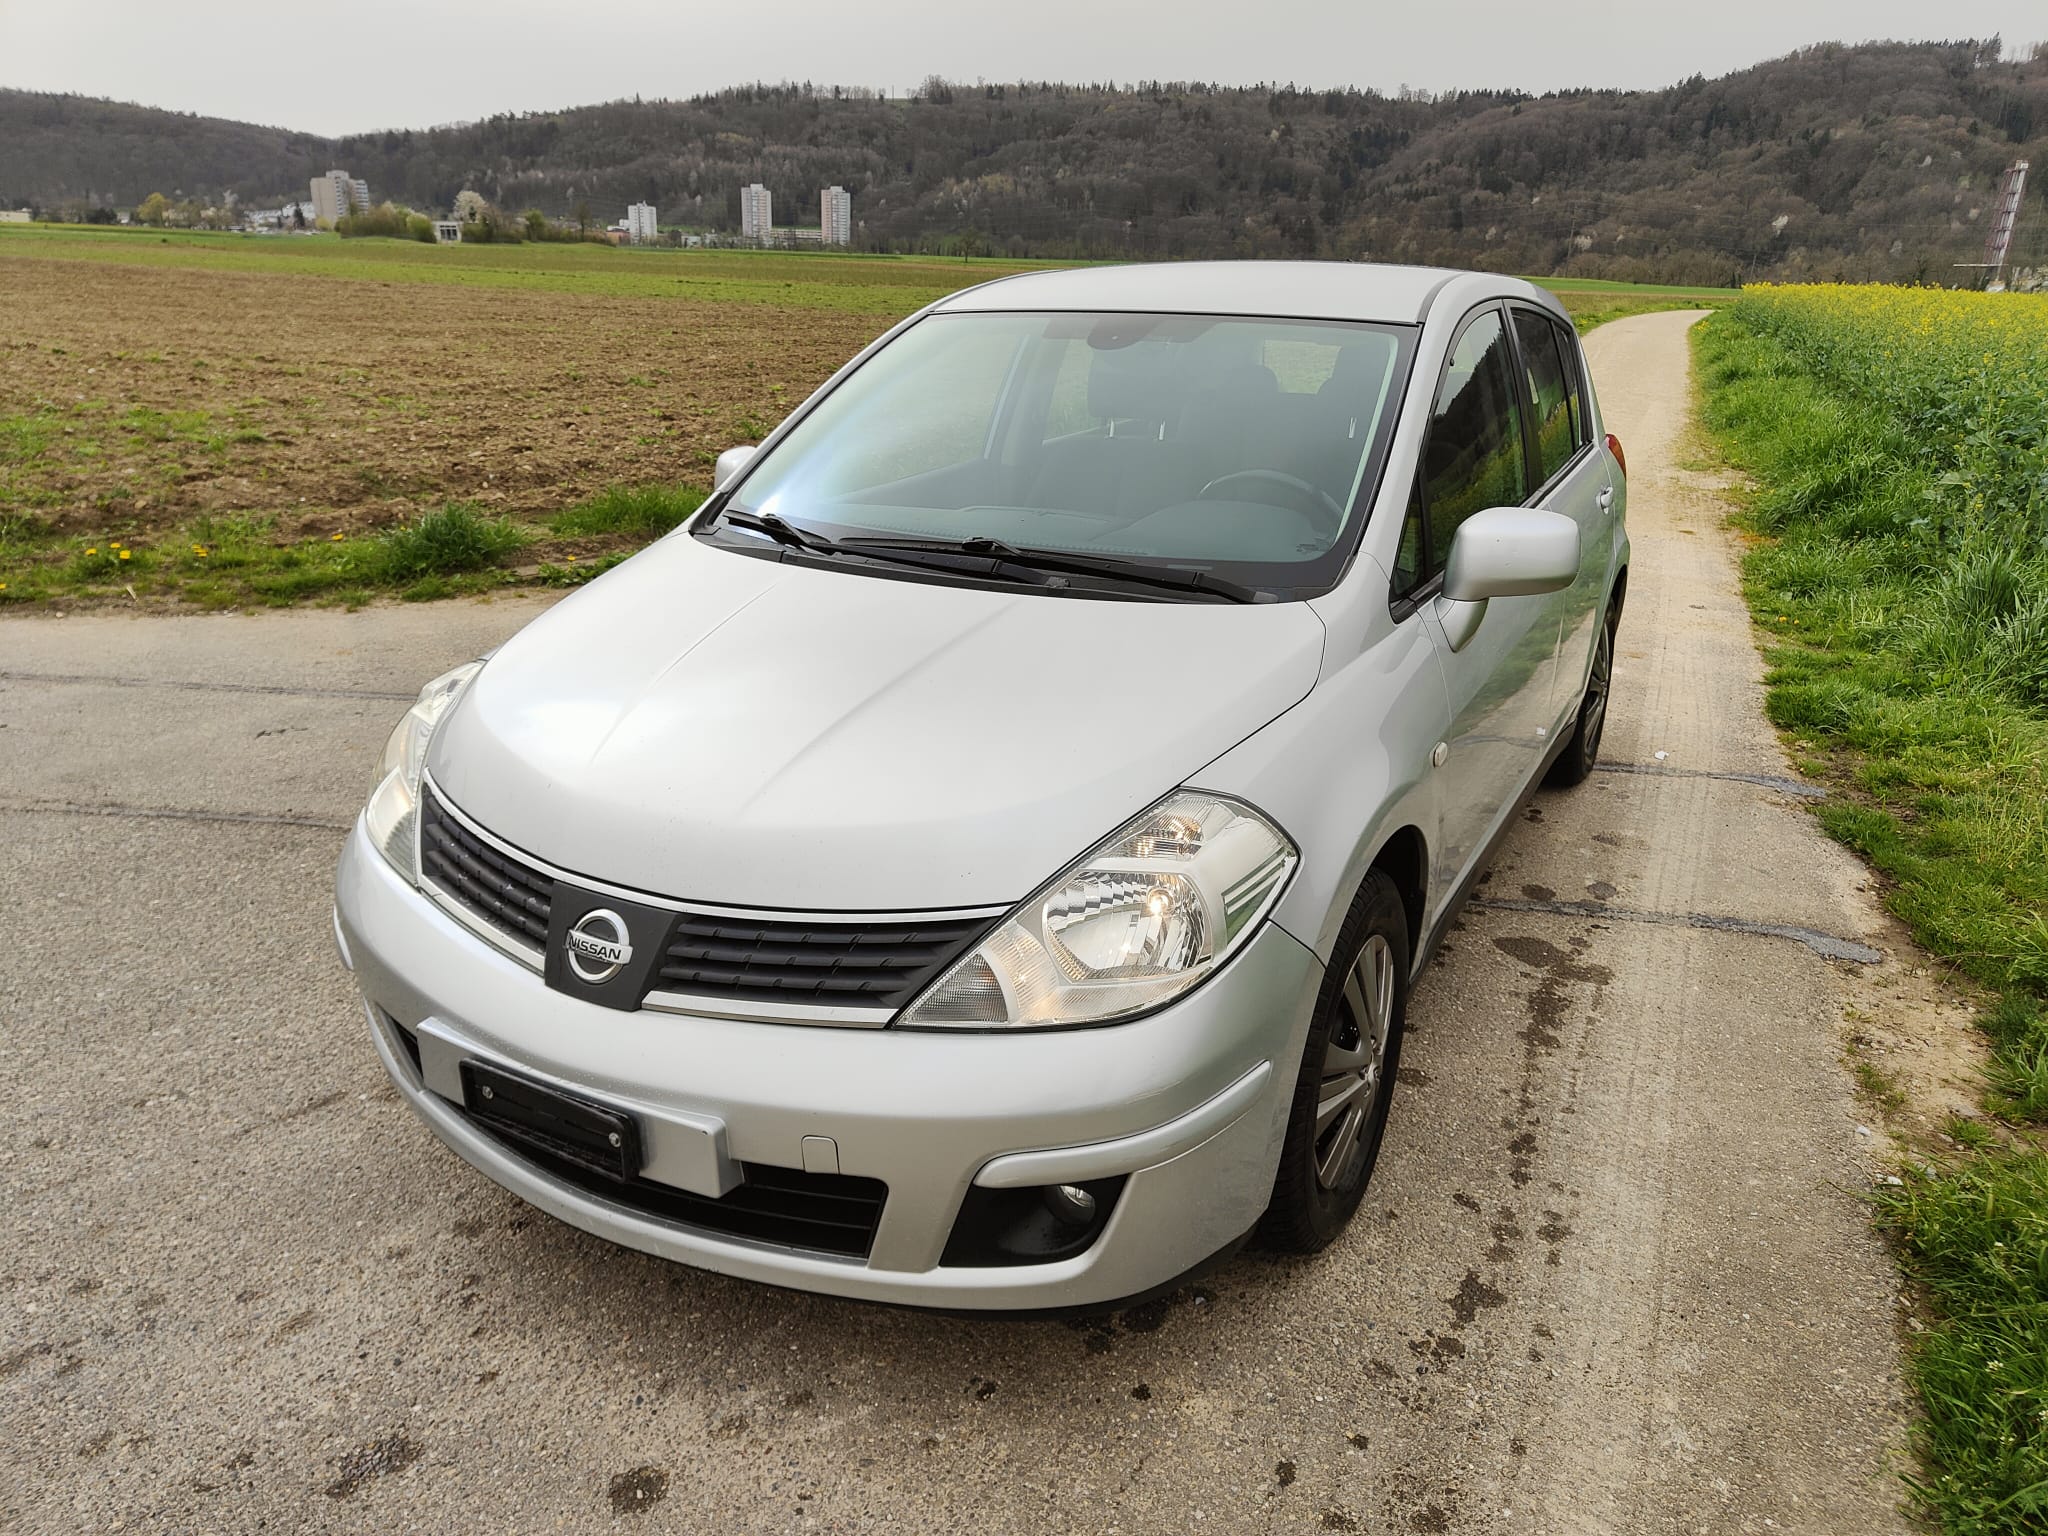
x=730, y=463
x=1511, y=552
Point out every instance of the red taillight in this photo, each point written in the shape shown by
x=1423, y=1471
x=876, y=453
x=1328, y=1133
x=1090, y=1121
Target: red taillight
x=1620, y=458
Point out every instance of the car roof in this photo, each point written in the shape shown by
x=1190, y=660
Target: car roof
x=1308, y=290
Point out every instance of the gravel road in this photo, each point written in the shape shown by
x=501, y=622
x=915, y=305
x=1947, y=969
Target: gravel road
x=1613, y=1274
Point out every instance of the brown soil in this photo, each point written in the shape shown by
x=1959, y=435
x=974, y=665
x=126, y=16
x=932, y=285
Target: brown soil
x=339, y=406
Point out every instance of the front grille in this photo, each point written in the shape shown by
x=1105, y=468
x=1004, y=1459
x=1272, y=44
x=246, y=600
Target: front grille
x=823, y=1212
x=506, y=893
x=852, y=963
x=882, y=965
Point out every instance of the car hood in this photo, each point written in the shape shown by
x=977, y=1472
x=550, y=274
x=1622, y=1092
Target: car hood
x=713, y=727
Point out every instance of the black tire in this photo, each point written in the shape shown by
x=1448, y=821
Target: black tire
x=1576, y=761
x=1315, y=1191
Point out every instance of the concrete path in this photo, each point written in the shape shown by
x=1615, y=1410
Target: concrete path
x=1613, y=1274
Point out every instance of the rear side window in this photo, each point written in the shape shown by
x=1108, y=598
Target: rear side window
x=1473, y=458
x=1575, y=393
x=1550, y=392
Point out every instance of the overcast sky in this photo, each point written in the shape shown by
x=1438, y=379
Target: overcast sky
x=341, y=66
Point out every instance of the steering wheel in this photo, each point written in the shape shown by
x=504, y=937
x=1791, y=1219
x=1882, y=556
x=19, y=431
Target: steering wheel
x=1306, y=498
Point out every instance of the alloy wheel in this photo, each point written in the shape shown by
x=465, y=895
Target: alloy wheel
x=1594, y=715
x=1354, y=1062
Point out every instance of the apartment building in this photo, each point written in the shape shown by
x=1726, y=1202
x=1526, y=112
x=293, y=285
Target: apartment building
x=835, y=216
x=339, y=193
x=757, y=212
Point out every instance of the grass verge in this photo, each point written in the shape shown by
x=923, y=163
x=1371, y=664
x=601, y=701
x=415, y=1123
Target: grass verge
x=1902, y=582
x=632, y=511
x=1977, y=1237
x=221, y=562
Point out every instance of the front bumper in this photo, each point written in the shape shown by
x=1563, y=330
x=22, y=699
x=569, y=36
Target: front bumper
x=1190, y=1102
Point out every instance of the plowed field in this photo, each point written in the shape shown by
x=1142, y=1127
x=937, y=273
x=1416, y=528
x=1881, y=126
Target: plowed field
x=139, y=398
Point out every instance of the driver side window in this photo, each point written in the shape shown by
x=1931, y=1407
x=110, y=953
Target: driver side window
x=1472, y=458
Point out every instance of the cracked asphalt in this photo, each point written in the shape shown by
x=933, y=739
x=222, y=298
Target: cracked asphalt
x=1613, y=1273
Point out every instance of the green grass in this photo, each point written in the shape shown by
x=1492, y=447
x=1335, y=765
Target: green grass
x=1898, y=656
x=224, y=561
x=854, y=284
x=637, y=511
x=449, y=542
x=1977, y=1237
x=1904, y=665
x=220, y=562
x=1603, y=285
x=1592, y=302
x=573, y=572
x=836, y=280
x=1596, y=307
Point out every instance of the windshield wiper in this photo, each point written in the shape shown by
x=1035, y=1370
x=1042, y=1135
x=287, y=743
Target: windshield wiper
x=781, y=531
x=985, y=556
x=1028, y=557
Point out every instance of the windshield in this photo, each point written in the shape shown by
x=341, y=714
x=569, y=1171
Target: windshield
x=1248, y=447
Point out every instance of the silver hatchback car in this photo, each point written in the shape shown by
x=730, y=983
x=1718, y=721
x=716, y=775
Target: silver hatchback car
x=982, y=858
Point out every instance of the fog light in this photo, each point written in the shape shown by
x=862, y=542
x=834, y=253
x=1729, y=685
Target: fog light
x=1070, y=1203
x=1035, y=1225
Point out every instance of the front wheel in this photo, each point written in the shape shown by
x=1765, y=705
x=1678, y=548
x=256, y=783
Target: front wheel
x=1346, y=1082
x=1576, y=761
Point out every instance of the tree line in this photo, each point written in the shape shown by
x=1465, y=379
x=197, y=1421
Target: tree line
x=1876, y=160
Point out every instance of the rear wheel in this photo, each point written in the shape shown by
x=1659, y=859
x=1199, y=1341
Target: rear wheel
x=1346, y=1081
x=1576, y=761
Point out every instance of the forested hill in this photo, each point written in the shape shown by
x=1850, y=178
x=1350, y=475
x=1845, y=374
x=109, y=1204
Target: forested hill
x=1873, y=160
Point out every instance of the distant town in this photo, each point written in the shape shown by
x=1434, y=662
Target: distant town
x=341, y=203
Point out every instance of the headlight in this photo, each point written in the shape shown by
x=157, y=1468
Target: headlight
x=1136, y=922
x=393, y=813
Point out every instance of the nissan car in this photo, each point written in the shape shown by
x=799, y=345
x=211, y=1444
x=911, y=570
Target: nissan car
x=981, y=859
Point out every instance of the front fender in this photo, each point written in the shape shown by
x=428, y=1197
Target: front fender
x=1349, y=766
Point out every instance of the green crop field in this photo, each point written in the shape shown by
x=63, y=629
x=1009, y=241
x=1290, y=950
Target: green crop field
x=855, y=284
x=858, y=284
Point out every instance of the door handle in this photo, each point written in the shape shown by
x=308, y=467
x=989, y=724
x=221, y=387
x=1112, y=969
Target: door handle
x=1606, y=498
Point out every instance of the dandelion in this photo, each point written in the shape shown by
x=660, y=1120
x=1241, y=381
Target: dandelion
x=124, y=554
x=336, y=537
x=94, y=550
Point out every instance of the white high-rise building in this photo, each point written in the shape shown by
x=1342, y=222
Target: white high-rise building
x=640, y=223
x=338, y=193
x=835, y=216
x=757, y=212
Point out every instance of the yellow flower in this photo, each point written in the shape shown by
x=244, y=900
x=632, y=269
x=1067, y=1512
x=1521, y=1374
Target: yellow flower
x=337, y=538
x=124, y=554
x=94, y=550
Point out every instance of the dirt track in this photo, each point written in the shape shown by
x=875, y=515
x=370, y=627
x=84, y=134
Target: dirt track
x=1613, y=1274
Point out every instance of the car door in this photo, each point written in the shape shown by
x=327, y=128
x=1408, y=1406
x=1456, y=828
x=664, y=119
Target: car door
x=1498, y=670
x=1572, y=479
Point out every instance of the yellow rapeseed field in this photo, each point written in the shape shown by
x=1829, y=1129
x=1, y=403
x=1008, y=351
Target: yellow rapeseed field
x=1966, y=373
